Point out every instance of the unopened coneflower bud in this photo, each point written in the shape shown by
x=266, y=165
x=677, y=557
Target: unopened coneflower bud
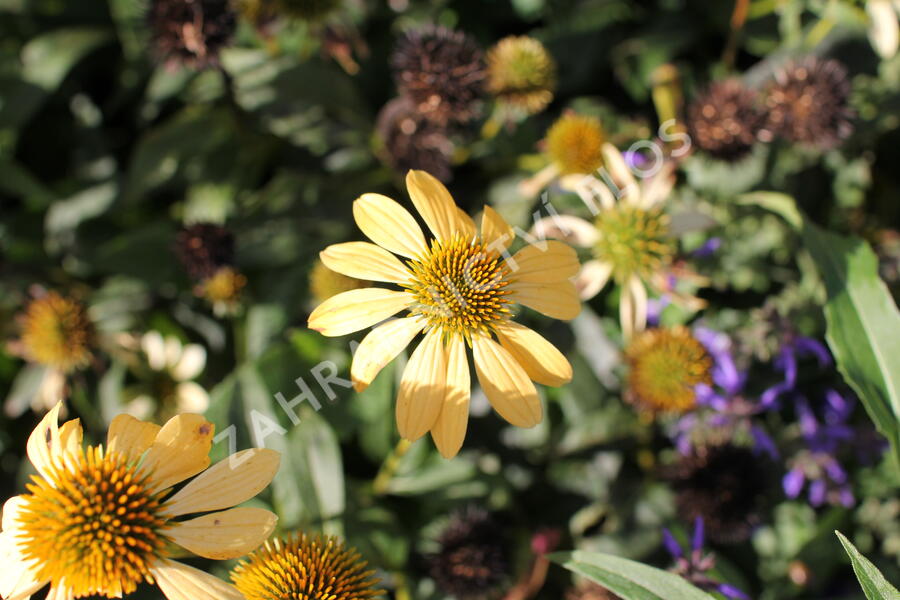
x=442, y=71
x=726, y=120
x=473, y=559
x=203, y=248
x=808, y=103
x=575, y=144
x=191, y=32
x=521, y=74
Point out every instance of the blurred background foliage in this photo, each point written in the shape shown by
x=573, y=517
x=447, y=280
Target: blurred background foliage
x=110, y=144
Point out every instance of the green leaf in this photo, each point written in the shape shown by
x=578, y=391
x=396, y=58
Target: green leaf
x=629, y=579
x=863, y=322
x=47, y=60
x=873, y=583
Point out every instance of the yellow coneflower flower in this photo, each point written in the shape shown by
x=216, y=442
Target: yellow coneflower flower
x=223, y=290
x=631, y=237
x=521, y=74
x=459, y=290
x=305, y=568
x=100, y=521
x=325, y=283
x=665, y=366
x=57, y=332
x=575, y=144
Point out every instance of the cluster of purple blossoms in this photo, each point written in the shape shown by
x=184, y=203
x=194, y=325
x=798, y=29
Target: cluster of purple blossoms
x=696, y=565
x=729, y=409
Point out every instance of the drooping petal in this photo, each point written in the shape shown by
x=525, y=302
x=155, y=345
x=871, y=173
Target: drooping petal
x=43, y=445
x=228, y=483
x=61, y=592
x=614, y=163
x=639, y=295
x=572, y=230
x=381, y=346
x=180, y=450
x=181, y=582
x=505, y=383
x=496, y=233
x=657, y=188
x=225, y=535
x=357, y=309
x=17, y=580
x=435, y=204
x=557, y=300
x=389, y=225
x=592, y=278
x=363, y=260
x=547, y=262
x=540, y=359
x=191, y=397
x=70, y=437
x=191, y=363
x=154, y=348
x=173, y=349
x=422, y=388
x=450, y=429
x=130, y=436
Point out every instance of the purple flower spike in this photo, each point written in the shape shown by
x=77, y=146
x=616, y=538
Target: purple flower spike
x=793, y=482
x=817, y=492
x=763, y=441
x=810, y=346
x=729, y=591
x=709, y=248
x=671, y=544
x=699, y=534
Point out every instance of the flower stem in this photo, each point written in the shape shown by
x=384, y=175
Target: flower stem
x=389, y=468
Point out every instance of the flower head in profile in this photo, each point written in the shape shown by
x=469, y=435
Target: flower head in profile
x=305, y=568
x=459, y=290
x=99, y=521
x=57, y=332
x=631, y=238
x=575, y=144
x=521, y=74
x=223, y=290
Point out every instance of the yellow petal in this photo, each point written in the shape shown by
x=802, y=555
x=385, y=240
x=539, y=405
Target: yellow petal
x=422, y=388
x=436, y=205
x=615, y=163
x=180, y=450
x=17, y=580
x=363, y=260
x=557, y=300
x=130, y=436
x=505, y=383
x=495, y=231
x=43, y=445
x=357, y=309
x=61, y=592
x=389, y=225
x=572, y=230
x=592, y=278
x=381, y=346
x=553, y=262
x=11, y=513
x=228, y=483
x=181, y=582
x=224, y=535
x=466, y=224
x=540, y=359
x=450, y=429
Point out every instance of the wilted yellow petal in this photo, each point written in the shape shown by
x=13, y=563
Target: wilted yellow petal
x=422, y=388
x=540, y=359
x=557, y=300
x=357, y=309
x=228, y=483
x=130, y=436
x=224, y=535
x=43, y=445
x=180, y=450
x=389, y=225
x=505, y=383
x=547, y=262
x=363, y=260
x=381, y=346
x=436, y=205
x=496, y=233
x=181, y=582
x=450, y=429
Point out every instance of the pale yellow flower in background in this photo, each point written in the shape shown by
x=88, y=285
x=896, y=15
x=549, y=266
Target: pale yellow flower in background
x=459, y=291
x=632, y=239
x=100, y=521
